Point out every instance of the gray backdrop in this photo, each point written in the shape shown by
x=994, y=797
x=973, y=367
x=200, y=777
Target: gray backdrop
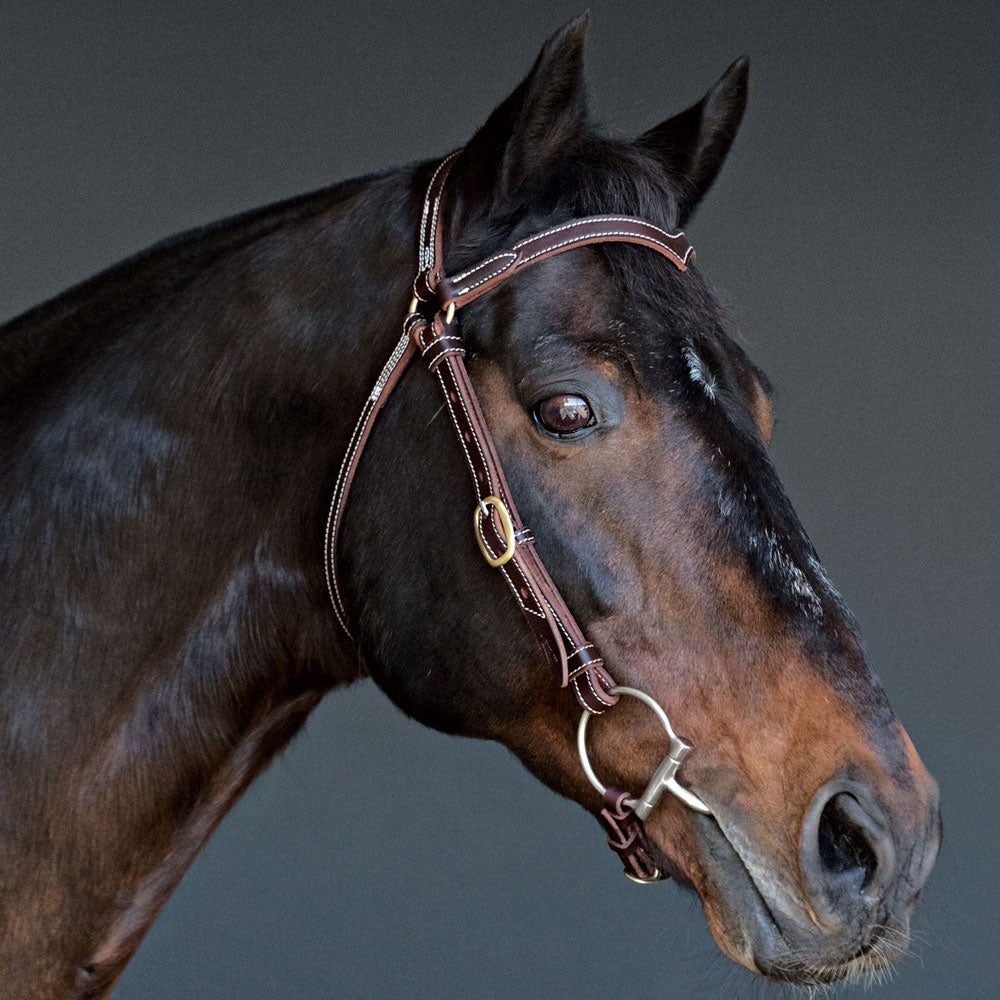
x=853, y=237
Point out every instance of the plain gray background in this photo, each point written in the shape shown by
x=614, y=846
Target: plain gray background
x=853, y=238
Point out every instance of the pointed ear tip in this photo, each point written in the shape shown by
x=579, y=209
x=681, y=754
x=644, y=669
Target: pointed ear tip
x=576, y=30
x=733, y=85
x=739, y=70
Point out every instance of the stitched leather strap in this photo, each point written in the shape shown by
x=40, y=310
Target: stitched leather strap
x=430, y=256
x=401, y=356
x=483, y=277
x=557, y=632
x=574, y=661
x=429, y=250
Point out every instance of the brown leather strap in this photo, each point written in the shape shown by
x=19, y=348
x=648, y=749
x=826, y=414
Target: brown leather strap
x=429, y=251
x=557, y=632
x=574, y=661
x=627, y=838
x=430, y=256
x=402, y=354
x=462, y=288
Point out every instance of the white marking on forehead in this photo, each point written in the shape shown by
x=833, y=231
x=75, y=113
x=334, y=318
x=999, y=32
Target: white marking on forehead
x=699, y=371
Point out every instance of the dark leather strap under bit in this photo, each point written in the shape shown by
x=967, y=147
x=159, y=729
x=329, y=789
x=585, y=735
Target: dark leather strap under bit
x=431, y=328
x=626, y=837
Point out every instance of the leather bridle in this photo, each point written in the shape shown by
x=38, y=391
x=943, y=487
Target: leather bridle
x=431, y=328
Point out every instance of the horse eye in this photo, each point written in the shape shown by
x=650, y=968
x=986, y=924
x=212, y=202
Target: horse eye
x=564, y=414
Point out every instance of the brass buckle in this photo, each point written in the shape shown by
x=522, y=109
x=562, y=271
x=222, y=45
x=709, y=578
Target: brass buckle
x=483, y=508
x=657, y=876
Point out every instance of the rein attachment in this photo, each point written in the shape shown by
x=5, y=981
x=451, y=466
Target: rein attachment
x=431, y=330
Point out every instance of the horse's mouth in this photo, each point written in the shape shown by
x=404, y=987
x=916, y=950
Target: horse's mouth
x=763, y=933
x=871, y=964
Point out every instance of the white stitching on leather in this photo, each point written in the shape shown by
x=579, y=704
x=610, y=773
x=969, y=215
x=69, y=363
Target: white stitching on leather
x=336, y=504
x=475, y=438
x=390, y=366
x=427, y=238
x=461, y=440
x=639, y=232
x=454, y=420
x=437, y=340
x=589, y=665
x=517, y=593
x=562, y=628
x=599, y=695
x=468, y=458
x=333, y=519
x=622, y=232
x=583, y=701
x=434, y=364
x=472, y=469
x=434, y=220
x=590, y=220
x=481, y=265
x=483, y=281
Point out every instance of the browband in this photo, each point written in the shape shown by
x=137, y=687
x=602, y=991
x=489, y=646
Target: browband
x=431, y=328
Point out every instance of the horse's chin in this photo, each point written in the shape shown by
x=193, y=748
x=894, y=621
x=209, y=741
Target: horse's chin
x=751, y=930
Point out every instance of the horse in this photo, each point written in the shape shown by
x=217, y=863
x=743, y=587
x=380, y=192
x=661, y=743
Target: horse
x=172, y=431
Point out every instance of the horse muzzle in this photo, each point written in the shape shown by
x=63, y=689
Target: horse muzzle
x=845, y=911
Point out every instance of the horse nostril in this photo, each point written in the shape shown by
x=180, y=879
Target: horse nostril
x=844, y=850
x=847, y=854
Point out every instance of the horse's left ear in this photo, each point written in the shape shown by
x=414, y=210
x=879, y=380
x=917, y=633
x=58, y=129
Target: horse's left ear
x=694, y=144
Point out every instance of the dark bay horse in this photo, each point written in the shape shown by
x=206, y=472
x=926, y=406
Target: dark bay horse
x=170, y=433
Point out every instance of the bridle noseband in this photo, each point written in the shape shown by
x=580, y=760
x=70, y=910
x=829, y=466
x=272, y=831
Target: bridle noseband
x=431, y=329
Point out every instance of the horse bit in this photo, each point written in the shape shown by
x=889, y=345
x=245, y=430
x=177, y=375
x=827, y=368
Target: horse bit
x=430, y=327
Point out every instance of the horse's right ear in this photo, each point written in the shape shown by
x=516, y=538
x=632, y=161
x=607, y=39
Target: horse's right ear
x=546, y=111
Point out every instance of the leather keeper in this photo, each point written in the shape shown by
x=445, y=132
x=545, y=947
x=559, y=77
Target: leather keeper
x=438, y=340
x=582, y=659
x=422, y=288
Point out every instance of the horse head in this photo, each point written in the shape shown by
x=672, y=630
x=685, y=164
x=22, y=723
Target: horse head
x=633, y=430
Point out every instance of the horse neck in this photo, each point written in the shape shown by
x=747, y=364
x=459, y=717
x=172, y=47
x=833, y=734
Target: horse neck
x=170, y=446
